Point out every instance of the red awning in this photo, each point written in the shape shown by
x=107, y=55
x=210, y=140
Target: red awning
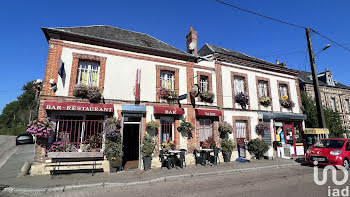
x=208, y=112
x=71, y=106
x=168, y=110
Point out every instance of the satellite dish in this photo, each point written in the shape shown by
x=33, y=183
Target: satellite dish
x=195, y=90
x=192, y=46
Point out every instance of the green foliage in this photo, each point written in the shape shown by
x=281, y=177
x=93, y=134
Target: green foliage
x=186, y=127
x=207, y=96
x=227, y=145
x=116, y=162
x=113, y=148
x=15, y=115
x=258, y=147
x=225, y=127
x=148, y=145
x=333, y=119
x=152, y=124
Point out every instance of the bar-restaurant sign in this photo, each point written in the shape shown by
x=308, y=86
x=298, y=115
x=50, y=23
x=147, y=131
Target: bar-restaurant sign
x=207, y=112
x=71, y=106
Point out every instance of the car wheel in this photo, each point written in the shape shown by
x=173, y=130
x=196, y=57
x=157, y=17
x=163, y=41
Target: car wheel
x=346, y=164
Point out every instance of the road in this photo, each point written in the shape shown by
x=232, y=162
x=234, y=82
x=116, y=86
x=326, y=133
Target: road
x=294, y=181
x=13, y=157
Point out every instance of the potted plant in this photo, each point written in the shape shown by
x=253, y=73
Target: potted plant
x=258, y=147
x=94, y=141
x=286, y=102
x=225, y=128
x=168, y=145
x=154, y=125
x=207, y=96
x=242, y=99
x=57, y=147
x=116, y=164
x=209, y=143
x=41, y=129
x=93, y=94
x=262, y=127
x=168, y=94
x=114, y=152
x=265, y=101
x=147, y=150
x=80, y=91
x=111, y=127
x=186, y=127
x=227, y=147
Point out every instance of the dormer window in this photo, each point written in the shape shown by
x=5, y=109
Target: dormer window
x=329, y=78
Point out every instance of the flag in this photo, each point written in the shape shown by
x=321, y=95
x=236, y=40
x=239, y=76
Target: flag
x=61, y=70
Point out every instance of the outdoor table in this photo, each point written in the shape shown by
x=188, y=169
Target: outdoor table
x=173, y=155
x=206, y=155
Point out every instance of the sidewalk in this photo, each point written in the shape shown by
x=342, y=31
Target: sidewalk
x=64, y=182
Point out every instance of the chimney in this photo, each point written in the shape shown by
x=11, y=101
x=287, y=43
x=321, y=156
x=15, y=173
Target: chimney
x=277, y=62
x=191, y=42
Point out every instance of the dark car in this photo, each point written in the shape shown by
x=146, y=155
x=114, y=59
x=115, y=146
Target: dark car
x=24, y=138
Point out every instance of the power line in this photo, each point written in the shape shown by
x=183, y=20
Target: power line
x=242, y=9
x=342, y=46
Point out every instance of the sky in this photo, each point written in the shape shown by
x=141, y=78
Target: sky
x=24, y=48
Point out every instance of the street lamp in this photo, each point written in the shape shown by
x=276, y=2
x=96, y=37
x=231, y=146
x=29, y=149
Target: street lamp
x=324, y=48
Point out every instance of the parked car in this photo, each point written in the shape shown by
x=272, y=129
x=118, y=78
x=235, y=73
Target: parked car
x=24, y=138
x=333, y=152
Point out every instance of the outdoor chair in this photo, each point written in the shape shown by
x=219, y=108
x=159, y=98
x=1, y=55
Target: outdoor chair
x=182, y=157
x=199, y=158
x=164, y=160
x=215, y=157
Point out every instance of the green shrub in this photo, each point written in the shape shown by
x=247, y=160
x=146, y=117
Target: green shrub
x=152, y=124
x=113, y=148
x=258, y=147
x=148, y=146
x=227, y=145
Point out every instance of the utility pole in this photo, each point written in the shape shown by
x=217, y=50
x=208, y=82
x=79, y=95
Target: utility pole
x=320, y=114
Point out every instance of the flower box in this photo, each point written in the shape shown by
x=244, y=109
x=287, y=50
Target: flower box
x=242, y=99
x=207, y=96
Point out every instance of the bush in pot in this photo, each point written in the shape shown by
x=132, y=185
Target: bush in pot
x=114, y=152
x=258, y=147
x=147, y=150
x=227, y=147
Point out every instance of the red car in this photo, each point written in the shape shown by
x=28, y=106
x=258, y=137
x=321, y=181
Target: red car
x=335, y=151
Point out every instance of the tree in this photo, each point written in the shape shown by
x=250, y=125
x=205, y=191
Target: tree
x=333, y=119
x=15, y=115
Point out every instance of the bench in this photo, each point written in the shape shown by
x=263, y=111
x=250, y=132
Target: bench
x=75, y=161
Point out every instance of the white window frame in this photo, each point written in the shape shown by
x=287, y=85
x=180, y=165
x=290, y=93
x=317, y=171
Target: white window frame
x=204, y=84
x=165, y=78
x=241, y=129
x=239, y=85
x=347, y=105
x=262, y=86
x=90, y=68
x=283, y=90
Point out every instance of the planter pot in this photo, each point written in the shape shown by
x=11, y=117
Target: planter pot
x=147, y=161
x=95, y=150
x=114, y=169
x=227, y=156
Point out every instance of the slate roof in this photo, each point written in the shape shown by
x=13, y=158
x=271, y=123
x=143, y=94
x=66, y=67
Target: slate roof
x=210, y=49
x=305, y=77
x=118, y=36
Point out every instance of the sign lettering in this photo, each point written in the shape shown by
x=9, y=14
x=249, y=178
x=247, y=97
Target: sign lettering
x=70, y=106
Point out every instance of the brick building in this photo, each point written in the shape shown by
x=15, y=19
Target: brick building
x=130, y=68
x=334, y=95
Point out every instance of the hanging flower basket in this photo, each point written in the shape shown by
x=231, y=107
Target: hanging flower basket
x=41, y=129
x=262, y=127
x=286, y=102
x=167, y=94
x=225, y=127
x=186, y=127
x=265, y=101
x=242, y=99
x=80, y=91
x=207, y=96
x=93, y=94
x=152, y=125
x=112, y=127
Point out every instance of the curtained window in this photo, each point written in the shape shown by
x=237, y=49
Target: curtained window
x=347, y=106
x=241, y=129
x=88, y=73
x=205, y=129
x=239, y=85
x=203, y=83
x=167, y=80
x=283, y=90
x=262, y=88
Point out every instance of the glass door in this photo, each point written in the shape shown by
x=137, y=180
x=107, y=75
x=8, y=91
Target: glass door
x=289, y=135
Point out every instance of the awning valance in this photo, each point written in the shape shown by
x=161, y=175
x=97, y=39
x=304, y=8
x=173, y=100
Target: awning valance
x=168, y=110
x=316, y=131
x=208, y=112
x=134, y=108
x=71, y=106
x=282, y=116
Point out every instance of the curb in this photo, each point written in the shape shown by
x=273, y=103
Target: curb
x=15, y=190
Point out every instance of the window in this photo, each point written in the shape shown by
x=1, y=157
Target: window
x=347, y=105
x=167, y=80
x=205, y=129
x=166, y=129
x=241, y=129
x=238, y=85
x=203, y=83
x=88, y=73
x=262, y=89
x=283, y=90
x=333, y=105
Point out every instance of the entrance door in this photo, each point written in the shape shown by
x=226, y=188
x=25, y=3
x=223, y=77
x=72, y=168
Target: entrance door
x=131, y=145
x=289, y=135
